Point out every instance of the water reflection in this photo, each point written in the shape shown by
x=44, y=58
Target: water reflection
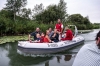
x=58, y=59
x=47, y=63
x=16, y=59
x=67, y=57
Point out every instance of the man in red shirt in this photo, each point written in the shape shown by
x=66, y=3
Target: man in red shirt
x=59, y=26
x=69, y=34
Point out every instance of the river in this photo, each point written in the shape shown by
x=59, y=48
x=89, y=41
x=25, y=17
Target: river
x=10, y=57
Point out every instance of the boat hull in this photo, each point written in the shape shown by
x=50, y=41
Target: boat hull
x=47, y=48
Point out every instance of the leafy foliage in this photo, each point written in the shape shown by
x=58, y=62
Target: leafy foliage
x=80, y=21
x=27, y=20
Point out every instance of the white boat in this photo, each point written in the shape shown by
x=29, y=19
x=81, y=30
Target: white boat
x=46, y=48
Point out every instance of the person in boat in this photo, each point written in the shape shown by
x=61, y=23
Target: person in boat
x=38, y=38
x=34, y=34
x=42, y=37
x=59, y=26
x=51, y=32
x=46, y=38
x=69, y=34
x=55, y=36
x=89, y=54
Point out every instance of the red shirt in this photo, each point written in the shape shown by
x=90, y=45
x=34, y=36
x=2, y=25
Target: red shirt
x=69, y=35
x=58, y=26
x=46, y=40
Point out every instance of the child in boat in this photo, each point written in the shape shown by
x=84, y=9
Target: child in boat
x=38, y=38
x=42, y=37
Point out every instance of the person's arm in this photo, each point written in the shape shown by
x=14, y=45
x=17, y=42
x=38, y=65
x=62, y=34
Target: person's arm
x=62, y=28
x=53, y=35
x=49, y=39
x=29, y=37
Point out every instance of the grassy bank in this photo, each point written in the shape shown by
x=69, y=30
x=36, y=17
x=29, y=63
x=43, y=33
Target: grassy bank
x=6, y=39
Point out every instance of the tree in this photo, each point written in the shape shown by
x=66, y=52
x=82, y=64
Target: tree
x=25, y=13
x=38, y=9
x=86, y=20
x=51, y=13
x=76, y=18
x=15, y=6
x=62, y=9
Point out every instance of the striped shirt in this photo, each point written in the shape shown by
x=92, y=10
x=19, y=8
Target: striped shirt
x=89, y=55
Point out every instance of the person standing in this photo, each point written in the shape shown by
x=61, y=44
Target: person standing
x=59, y=26
x=89, y=54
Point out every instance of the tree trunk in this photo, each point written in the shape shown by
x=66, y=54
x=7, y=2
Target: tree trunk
x=14, y=16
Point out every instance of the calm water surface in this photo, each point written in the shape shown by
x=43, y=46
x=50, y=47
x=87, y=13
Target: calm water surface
x=10, y=57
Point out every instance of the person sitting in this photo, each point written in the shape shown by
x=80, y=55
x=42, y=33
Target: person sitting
x=51, y=32
x=38, y=38
x=34, y=34
x=55, y=36
x=69, y=34
x=46, y=38
x=42, y=37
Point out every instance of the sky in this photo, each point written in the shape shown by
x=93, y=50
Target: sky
x=89, y=8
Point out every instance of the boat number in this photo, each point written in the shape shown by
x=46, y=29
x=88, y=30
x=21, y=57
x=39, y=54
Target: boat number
x=52, y=45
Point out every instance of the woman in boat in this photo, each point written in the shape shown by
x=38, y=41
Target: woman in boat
x=46, y=38
x=89, y=54
x=55, y=36
x=69, y=34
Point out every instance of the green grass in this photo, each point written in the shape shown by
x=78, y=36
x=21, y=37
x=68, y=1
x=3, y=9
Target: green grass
x=6, y=39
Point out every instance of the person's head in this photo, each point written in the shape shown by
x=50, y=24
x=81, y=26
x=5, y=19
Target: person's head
x=38, y=35
x=98, y=39
x=37, y=29
x=59, y=21
x=55, y=30
x=47, y=32
x=66, y=28
x=42, y=34
x=50, y=29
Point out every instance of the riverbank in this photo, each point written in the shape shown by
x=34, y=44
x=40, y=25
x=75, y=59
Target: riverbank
x=6, y=39
x=84, y=31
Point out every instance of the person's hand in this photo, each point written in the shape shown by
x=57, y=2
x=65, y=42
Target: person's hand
x=59, y=33
x=54, y=35
x=30, y=41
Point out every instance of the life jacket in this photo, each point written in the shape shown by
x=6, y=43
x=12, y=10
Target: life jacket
x=46, y=40
x=58, y=27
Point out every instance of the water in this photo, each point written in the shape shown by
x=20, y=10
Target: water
x=10, y=57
